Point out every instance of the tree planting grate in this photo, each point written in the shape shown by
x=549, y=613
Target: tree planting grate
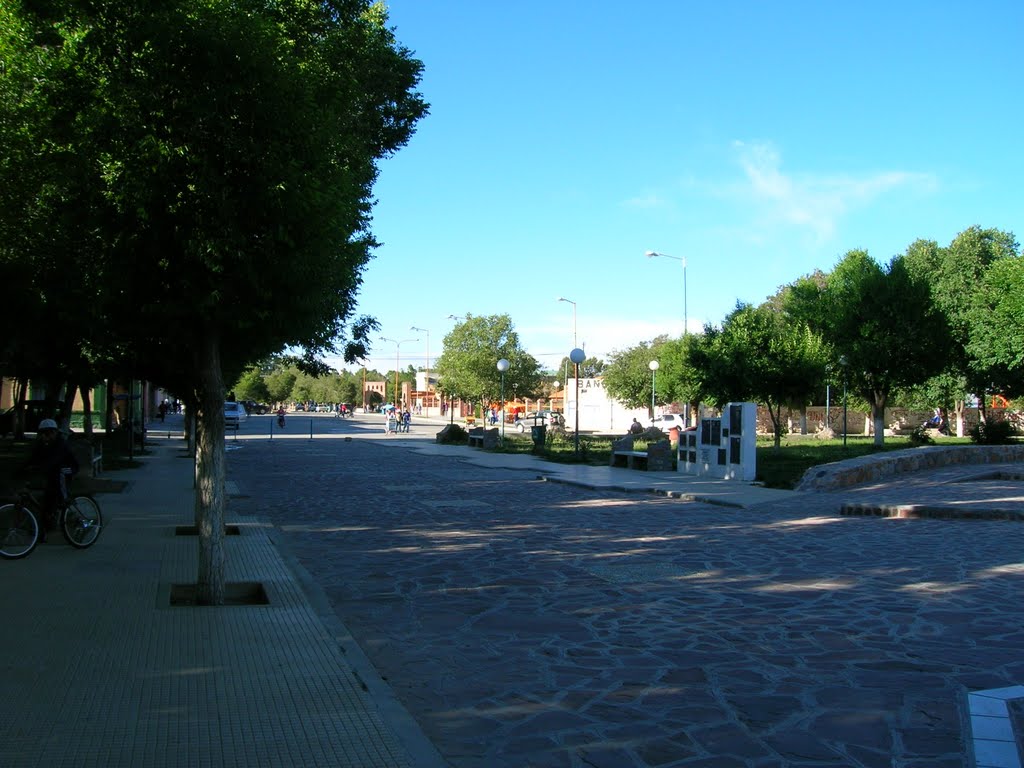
x=192, y=530
x=235, y=593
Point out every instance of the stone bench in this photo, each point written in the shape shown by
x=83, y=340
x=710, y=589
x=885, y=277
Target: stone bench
x=629, y=459
x=479, y=437
x=657, y=457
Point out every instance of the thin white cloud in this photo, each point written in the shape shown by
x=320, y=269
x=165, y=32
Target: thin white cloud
x=812, y=202
x=648, y=201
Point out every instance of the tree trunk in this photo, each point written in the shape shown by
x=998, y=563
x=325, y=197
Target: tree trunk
x=878, y=417
x=190, y=429
x=210, y=476
x=959, y=409
x=20, y=395
x=69, y=403
x=108, y=415
x=86, y=409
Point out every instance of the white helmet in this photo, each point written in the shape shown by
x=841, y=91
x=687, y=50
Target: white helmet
x=47, y=424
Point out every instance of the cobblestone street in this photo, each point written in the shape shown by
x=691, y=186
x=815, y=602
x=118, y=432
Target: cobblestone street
x=524, y=623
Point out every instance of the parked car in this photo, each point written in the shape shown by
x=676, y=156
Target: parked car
x=234, y=415
x=35, y=411
x=666, y=421
x=545, y=418
x=251, y=407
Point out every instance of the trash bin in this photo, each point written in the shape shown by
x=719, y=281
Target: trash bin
x=538, y=433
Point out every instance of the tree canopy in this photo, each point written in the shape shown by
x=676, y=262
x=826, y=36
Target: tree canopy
x=201, y=172
x=881, y=324
x=761, y=354
x=467, y=368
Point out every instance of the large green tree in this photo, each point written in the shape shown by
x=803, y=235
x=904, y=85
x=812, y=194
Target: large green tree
x=628, y=377
x=881, y=324
x=956, y=278
x=226, y=152
x=763, y=355
x=997, y=328
x=467, y=368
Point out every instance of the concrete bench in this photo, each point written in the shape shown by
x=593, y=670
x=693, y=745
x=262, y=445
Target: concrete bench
x=657, y=457
x=630, y=459
x=482, y=438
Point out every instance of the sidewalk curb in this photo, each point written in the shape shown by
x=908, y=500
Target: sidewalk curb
x=419, y=748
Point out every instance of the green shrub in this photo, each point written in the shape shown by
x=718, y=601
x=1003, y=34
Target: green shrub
x=993, y=431
x=452, y=434
x=920, y=436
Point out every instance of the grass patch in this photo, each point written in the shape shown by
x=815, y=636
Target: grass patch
x=784, y=466
x=776, y=468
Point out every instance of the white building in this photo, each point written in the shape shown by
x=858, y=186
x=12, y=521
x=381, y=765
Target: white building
x=598, y=412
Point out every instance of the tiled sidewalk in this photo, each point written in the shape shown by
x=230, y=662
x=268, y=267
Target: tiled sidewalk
x=101, y=671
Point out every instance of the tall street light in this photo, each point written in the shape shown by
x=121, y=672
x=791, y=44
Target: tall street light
x=577, y=356
x=654, y=254
x=653, y=365
x=570, y=301
x=502, y=367
x=424, y=330
x=398, y=347
x=845, y=364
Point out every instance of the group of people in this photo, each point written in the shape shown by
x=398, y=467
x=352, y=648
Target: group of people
x=397, y=421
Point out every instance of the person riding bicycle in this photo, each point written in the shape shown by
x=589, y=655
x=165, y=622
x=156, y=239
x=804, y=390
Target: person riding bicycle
x=53, y=458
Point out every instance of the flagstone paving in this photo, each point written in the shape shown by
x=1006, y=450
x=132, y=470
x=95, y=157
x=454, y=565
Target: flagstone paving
x=524, y=623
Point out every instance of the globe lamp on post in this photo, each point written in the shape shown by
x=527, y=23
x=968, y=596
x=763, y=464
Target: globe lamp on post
x=577, y=356
x=653, y=365
x=503, y=365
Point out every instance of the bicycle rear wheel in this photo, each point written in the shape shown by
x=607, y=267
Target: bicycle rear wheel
x=82, y=522
x=19, y=531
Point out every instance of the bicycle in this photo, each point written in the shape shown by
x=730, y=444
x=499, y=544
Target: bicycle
x=78, y=517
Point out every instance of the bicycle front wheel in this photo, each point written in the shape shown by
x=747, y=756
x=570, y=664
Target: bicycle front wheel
x=19, y=531
x=82, y=522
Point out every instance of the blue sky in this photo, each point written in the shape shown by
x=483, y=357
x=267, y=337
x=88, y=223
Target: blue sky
x=759, y=141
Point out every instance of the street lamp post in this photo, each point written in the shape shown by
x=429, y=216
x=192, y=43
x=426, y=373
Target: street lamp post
x=844, y=363
x=398, y=347
x=653, y=365
x=570, y=301
x=577, y=356
x=653, y=254
x=426, y=401
x=502, y=367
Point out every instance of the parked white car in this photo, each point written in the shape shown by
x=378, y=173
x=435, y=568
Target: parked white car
x=545, y=418
x=666, y=421
x=234, y=415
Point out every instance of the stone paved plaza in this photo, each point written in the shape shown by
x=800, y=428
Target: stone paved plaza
x=525, y=623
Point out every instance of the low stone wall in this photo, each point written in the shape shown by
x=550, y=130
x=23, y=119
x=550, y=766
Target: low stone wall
x=879, y=466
